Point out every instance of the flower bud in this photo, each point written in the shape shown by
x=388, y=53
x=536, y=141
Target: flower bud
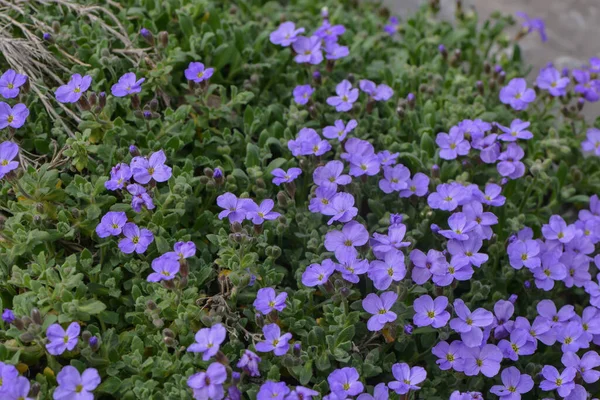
x=501, y=77
x=408, y=329
x=133, y=150
x=435, y=171
x=93, y=342
x=147, y=36
x=282, y=199
x=236, y=227
x=345, y=291
x=26, y=337
x=411, y=100
x=527, y=284
x=324, y=12
x=36, y=316
x=151, y=305
x=48, y=37
x=93, y=99
x=435, y=228
x=157, y=322
x=168, y=333
x=135, y=101
x=260, y=320
x=351, y=78
x=480, y=87
x=163, y=38
x=34, y=390
x=18, y=322
x=8, y=316
x=513, y=298
x=297, y=350
x=101, y=100
x=443, y=51
x=170, y=342
x=26, y=321
x=400, y=111
x=580, y=103
x=317, y=77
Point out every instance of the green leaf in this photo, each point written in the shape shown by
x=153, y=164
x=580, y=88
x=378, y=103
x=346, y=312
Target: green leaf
x=252, y=156
x=92, y=307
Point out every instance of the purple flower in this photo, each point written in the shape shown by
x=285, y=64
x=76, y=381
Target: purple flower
x=468, y=251
x=285, y=34
x=386, y=158
x=485, y=359
x=418, y=186
x=449, y=355
x=514, y=384
x=351, y=267
x=380, y=392
x=584, y=365
x=380, y=307
x=14, y=117
x=588, y=87
x=392, y=27
x=562, y=382
x=452, y=144
x=518, y=345
x=281, y=176
x=424, y=264
x=377, y=92
x=76, y=386
x=516, y=131
x=268, y=301
x=344, y=382
x=208, y=341
x=19, y=390
x=503, y=311
x=346, y=96
x=318, y=274
x=460, y=225
x=329, y=32
x=491, y=196
x=272, y=391
x=364, y=165
x=140, y=198
x=341, y=208
x=551, y=80
x=111, y=224
x=135, y=239
x=302, y=93
x=262, y=212
x=8, y=316
x=249, y=363
x=308, y=50
x=339, y=131
x=547, y=310
x=569, y=334
x=209, y=385
x=557, y=229
x=446, y=197
x=331, y=175
x=197, y=73
x=10, y=82
x=524, y=253
x=60, y=340
x=533, y=24
x=383, y=244
x=8, y=152
x=551, y=270
x=407, y=378
x=483, y=220
x=144, y=170
x=323, y=196
x=119, y=176
x=72, y=91
x=391, y=269
x=516, y=94
x=343, y=242
x=127, y=85
x=334, y=51
x=8, y=375
x=469, y=324
x=233, y=208
x=395, y=178
x=430, y=311
x=274, y=340
x=510, y=164
x=165, y=268
x=445, y=273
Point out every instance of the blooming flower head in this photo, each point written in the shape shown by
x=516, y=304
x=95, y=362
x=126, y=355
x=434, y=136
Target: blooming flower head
x=18, y=390
x=446, y=197
x=449, y=355
x=430, y=311
x=340, y=130
x=8, y=374
x=390, y=269
x=208, y=341
x=60, y=340
x=331, y=175
x=10, y=82
x=346, y=96
x=418, y=185
x=392, y=27
x=393, y=241
x=128, y=84
x=197, y=73
x=302, y=94
x=268, y=301
x=386, y=158
x=302, y=393
x=111, y=224
x=516, y=131
x=76, y=386
x=119, y=177
x=308, y=50
x=261, y=213
x=318, y=274
x=550, y=270
x=460, y=226
x=380, y=307
x=351, y=267
x=135, y=239
x=424, y=264
x=514, y=384
x=469, y=324
x=74, y=89
x=407, y=378
x=491, y=196
x=380, y=92
x=510, y=165
x=8, y=152
x=274, y=340
x=13, y=117
x=467, y=251
x=503, y=311
x=483, y=220
x=165, y=269
x=209, y=385
x=144, y=170
x=516, y=94
x=285, y=34
x=557, y=229
x=584, y=365
x=395, y=178
x=334, y=51
x=140, y=198
x=323, y=196
x=344, y=382
x=249, y=363
x=8, y=316
x=591, y=144
x=518, y=345
x=233, y=208
x=452, y=144
x=280, y=176
x=485, y=360
x=340, y=208
x=563, y=382
x=547, y=310
x=533, y=25
x=329, y=32
x=272, y=391
x=550, y=79
x=344, y=242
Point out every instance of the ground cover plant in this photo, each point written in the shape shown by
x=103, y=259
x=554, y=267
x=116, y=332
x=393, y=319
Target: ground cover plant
x=292, y=200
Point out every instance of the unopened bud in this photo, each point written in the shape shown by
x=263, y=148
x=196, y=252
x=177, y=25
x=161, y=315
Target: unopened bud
x=168, y=333
x=282, y=199
x=134, y=151
x=135, y=101
x=236, y=227
x=163, y=38
x=147, y=36
x=297, y=350
x=48, y=37
x=443, y=51
x=93, y=342
x=151, y=305
x=435, y=171
x=26, y=337
x=36, y=316
x=170, y=342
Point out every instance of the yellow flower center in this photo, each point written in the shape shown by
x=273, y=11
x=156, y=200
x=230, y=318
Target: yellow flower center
x=524, y=257
x=10, y=118
x=450, y=357
x=77, y=90
x=200, y=74
x=568, y=340
x=150, y=170
x=390, y=272
x=166, y=273
x=430, y=314
x=344, y=98
x=479, y=362
x=4, y=163
x=271, y=304
x=469, y=321
x=560, y=235
x=452, y=146
x=558, y=382
x=78, y=388
x=451, y=269
x=66, y=338
x=512, y=389
x=10, y=86
x=515, y=348
x=346, y=386
x=382, y=311
x=135, y=239
x=275, y=342
x=448, y=198
x=348, y=242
